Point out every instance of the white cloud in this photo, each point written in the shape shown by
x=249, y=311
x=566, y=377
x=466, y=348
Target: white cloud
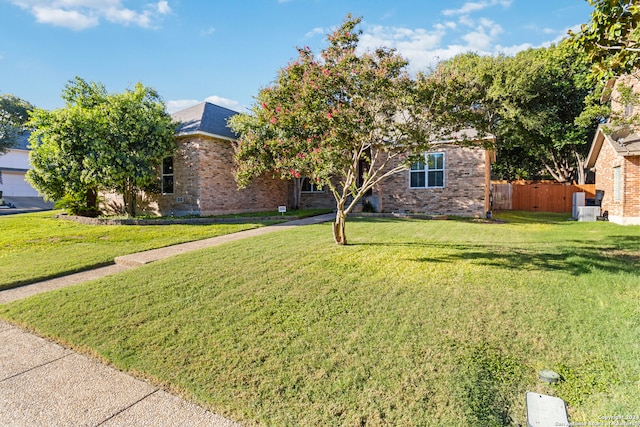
x=403, y=39
x=224, y=102
x=181, y=104
x=466, y=21
x=425, y=48
x=477, y=41
x=511, y=50
x=316, y=31
x=209, y=31
x=64, y=18
x=470, y=7
x=163, y=8
x=82, y=14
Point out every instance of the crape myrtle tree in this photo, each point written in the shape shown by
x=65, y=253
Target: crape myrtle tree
x=100, y=142
x=14, y=113
x=341, y=119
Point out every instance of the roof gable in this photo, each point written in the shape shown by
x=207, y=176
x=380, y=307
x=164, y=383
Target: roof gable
x=622, y=139
x=206, y=118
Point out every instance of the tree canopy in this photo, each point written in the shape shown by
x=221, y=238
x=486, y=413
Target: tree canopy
x=539, y=105
x=341, y=119
x=100, y=141
x=612, y=37
x=14, y=113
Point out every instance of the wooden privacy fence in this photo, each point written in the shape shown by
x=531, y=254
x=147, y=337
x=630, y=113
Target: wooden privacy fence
x=537, y=196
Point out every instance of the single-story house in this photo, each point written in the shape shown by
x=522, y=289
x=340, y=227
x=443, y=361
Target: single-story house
x=14, y=165
x=453, y=179
x=615, y=158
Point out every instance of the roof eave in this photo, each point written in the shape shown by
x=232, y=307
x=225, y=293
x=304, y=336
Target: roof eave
x=202, y=133
x=596, y=146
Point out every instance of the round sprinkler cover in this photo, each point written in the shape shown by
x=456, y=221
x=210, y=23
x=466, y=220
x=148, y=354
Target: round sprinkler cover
x=549, y=376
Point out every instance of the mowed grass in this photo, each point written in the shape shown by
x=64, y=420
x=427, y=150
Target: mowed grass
x=38, y=246
x=434, y=323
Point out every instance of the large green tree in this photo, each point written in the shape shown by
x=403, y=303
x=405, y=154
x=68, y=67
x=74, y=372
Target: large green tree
x=100, y=141
x=612, y=37
x=14, y=113
x=343, y=119
x=539, y=104
x=551, y=105
x=611, y=41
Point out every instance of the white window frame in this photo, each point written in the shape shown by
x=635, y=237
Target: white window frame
x=617, y=184
x=426, y=170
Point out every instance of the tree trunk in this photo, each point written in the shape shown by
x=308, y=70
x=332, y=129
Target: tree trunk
x=581, y=170
x=129, y=198
x=339, y=227
x=132, y=202
x=297, y=191
x=91, y=199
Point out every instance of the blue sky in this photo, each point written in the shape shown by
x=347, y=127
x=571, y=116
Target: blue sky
x=224, y=51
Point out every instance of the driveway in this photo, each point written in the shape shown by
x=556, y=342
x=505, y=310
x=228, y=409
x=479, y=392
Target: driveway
x=25, y=205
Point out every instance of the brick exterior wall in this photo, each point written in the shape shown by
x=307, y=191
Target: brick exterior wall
x=627, y=210
x=317, y=200
x=632, y=188
x=465, y=192
x=204, y=183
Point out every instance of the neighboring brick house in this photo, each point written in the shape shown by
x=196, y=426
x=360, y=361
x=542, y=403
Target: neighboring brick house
x=199, y=179
x=615, y=158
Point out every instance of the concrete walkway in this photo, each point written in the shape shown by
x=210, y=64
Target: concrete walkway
x=45, y=384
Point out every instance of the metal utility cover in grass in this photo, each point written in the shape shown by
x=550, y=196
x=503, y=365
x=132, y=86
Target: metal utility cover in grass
x=543, y=410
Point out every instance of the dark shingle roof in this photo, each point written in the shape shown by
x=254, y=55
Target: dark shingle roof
x=205, y=118
x=22, y=141
x=625, y=141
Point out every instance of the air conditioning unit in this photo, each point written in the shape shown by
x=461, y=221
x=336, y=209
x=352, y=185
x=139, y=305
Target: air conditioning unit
x=588, y=213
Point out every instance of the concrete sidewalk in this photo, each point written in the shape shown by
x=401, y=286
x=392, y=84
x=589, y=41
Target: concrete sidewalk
x=45, y=384
x=140, y=258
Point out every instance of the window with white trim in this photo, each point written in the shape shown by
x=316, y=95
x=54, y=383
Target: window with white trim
x=617, y=184
x=310, y=187
x=428, y=173
x=167, y=175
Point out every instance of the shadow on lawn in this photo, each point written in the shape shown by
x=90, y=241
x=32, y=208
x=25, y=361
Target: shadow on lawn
x=577, y=259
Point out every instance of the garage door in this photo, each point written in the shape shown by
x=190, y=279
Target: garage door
x=14, y=185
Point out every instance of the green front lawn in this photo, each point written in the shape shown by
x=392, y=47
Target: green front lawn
x=435, y=323
x=38, y=246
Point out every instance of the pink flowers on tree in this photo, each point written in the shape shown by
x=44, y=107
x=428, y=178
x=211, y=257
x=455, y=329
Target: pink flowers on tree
x=324, y=117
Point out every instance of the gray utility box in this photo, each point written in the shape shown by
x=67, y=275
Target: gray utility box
x=546, y=411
